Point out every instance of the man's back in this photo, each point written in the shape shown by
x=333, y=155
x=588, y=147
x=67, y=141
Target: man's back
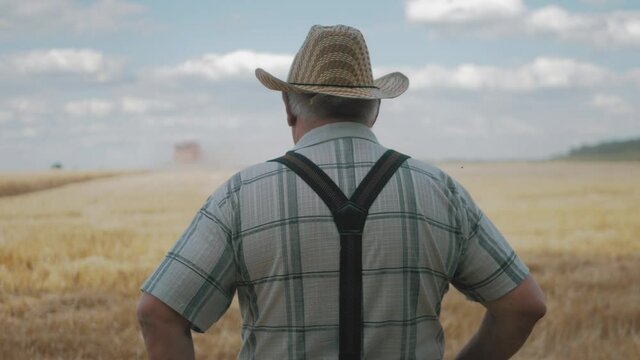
x=281, y=252
x=267, y=234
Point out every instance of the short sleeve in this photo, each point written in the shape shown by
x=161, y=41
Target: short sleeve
x=488, y=267
x=197, y=276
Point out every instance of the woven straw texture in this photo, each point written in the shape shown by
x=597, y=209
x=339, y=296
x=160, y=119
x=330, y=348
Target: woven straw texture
x=334, y=60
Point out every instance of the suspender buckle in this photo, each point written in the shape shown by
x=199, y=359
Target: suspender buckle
x=350, y=219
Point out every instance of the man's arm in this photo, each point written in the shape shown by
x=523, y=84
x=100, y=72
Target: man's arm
x=507, y=323
x=166, y=333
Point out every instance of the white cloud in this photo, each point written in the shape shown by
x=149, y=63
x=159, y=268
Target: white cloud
x=611, y=103
x=479, y=125
x=134, y=105
x=461, y=11
x=5, y=116
x=622, y=28
x=89, y=108
x=84, y=62
x=541, y=73
x=241, y=63
x=509, y=17
x=512, y=126
x=28, y=132
x=554, y=19
x=26, y=106
x=634, y=76
x=26, y=110
x=616, y=28
x=46, y=15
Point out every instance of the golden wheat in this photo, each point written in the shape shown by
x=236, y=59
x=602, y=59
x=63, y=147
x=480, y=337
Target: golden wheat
x=72, y=259
x=20, y=183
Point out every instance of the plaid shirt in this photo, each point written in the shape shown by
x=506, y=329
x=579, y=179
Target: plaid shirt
x=267, y=236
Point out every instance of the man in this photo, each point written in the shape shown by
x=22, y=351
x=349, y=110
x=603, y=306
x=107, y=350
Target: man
x=284, y=236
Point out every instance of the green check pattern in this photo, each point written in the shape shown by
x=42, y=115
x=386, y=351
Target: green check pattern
x=268, y=237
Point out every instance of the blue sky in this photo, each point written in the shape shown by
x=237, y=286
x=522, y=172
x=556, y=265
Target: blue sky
x=115, y=83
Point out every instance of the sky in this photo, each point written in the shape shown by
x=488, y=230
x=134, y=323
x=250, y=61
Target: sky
x=115, y=84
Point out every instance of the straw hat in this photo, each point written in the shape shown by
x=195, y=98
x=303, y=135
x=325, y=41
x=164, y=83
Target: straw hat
x=334, y=60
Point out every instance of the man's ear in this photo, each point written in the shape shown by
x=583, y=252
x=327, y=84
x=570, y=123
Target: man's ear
x=291, y=119
x=377, y=113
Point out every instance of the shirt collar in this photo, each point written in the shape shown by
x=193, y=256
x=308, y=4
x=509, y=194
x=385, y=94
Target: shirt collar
x=334, y=131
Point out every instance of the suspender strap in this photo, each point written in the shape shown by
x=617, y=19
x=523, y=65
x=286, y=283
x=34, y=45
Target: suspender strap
x=349, y=216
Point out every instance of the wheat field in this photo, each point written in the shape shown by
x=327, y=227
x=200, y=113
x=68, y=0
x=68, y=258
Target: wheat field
x=73, y=257
x=25, y=182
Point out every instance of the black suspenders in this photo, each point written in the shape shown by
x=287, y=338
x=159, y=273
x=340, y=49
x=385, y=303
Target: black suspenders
x=350, y=216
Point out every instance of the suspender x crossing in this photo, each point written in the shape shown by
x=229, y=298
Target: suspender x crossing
x=349, y=215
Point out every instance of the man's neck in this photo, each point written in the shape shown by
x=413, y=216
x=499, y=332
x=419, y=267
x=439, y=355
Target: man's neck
x=303, y=127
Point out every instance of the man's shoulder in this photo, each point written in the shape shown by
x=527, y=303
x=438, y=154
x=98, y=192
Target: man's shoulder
x=258, y=171
x=430, y=172
x=246, y=176
x=226, y=193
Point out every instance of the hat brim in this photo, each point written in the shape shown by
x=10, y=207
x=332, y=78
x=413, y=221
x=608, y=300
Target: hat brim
x=385, y=87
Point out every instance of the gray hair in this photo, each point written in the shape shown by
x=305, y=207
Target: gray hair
x=320, y=106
